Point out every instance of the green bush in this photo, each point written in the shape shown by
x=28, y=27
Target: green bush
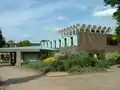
x=114, y=61
x=81, y=62
x=25, y=62
x=38, y=64
x=118, y=60
x=102, y=64
x=113, y=55
x=74, y=61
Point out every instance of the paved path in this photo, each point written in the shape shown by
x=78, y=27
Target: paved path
x=19, y=79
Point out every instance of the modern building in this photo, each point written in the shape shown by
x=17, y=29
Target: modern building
x=76, y=38
x=69, y=35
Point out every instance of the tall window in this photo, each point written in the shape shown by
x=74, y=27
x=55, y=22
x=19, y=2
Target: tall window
x=65, y=41
x=47, y=44
x=55, y=43
x=50, y=44
x=59, y=42
x=87, y=30
x=77, y=31
x=74, y=32
x=82, y=30
x=70, y=33
x=71, y=41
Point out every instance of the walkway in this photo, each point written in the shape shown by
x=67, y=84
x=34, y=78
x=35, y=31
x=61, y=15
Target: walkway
x=21, y=79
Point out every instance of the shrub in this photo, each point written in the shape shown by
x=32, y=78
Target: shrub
x=114, y=61
x=57, y=66
x=81, y=62
x=75, y=69
x=118, y=60
x=82, y=59
x=38, y=64
x=25, y=62
x=50, y=59
x=70, y=62
x=102, y=64
x=113, y=55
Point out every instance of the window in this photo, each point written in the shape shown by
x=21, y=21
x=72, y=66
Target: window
x=55, y=43
x=50, y=44
x=102, y=31
x=77, y=31
x=82, y=30
x=70, y=33
x=65, y=41
x=71, y=41
x=47, y=44
x=87, y=30
x=92, y=31
x=111, y=42
x=74, y=32
x=59, y=42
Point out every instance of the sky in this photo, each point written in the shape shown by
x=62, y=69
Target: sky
x=36, y=20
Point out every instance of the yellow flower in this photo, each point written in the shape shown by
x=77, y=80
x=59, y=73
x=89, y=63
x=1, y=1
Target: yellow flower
x=50, y=59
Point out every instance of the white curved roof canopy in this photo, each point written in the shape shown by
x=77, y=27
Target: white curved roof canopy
x=74, y=29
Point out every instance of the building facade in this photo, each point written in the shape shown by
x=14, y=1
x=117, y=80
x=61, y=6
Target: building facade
x=69, y=35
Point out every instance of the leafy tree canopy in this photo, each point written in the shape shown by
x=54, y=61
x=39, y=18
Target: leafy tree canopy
x=2, y=39
x=116, y=15
x=24, y=43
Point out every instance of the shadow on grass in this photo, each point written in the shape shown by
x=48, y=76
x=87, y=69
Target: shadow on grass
x=23, y=79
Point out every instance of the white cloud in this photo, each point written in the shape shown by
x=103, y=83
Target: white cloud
x=107, y=12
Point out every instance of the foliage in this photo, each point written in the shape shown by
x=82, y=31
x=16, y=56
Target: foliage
x=37, y=64
x=71, y=63
x=113, y=58
x=50, y=59
x=102, y=64
x=2, y=39
x=47, y=54
x=112, y=55
x=24, y=43
x=116, y=15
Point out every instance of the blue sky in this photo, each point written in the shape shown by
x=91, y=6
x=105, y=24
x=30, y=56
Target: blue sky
x=41, y=19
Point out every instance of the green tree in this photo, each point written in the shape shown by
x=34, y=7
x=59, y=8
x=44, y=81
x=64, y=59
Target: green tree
x=24, y=43
x=2, y=39
x=116, y=15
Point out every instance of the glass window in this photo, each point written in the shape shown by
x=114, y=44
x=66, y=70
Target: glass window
x=87, y=30
x=71, y=41
x=74, y=32
x=82, y=30
x=77, y=31
x=65, y=41
x=59, y=42
x=92, y=31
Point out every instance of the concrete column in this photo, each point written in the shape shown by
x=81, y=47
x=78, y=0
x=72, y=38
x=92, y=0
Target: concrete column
x=18, y=58
x=11, y=58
